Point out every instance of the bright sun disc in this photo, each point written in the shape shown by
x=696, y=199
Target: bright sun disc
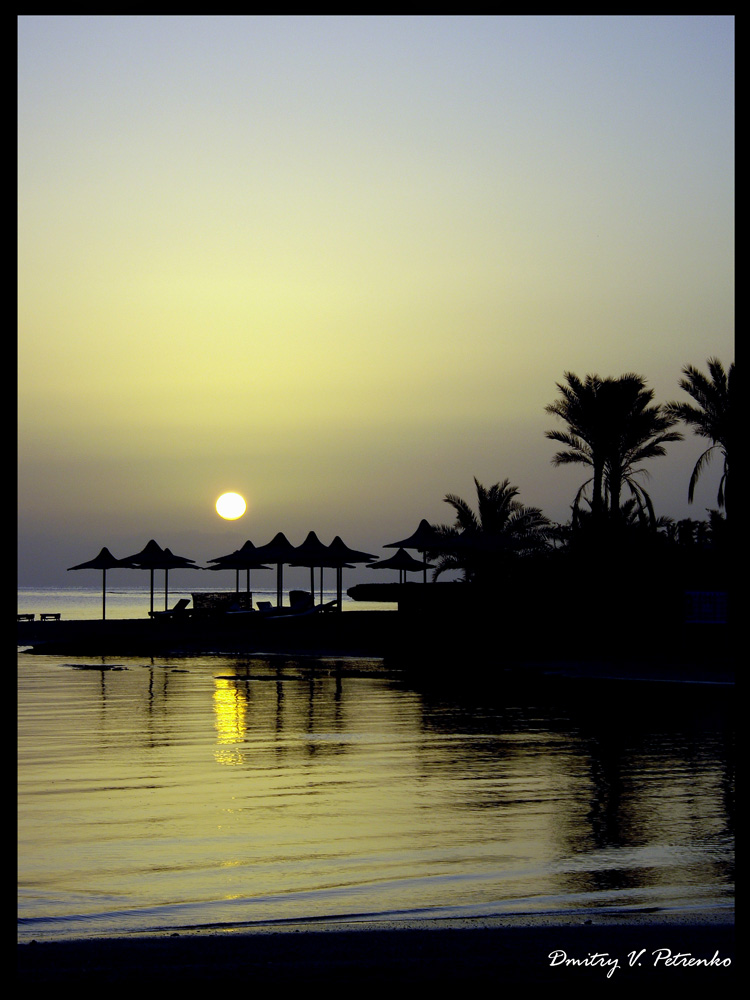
x=230, y=506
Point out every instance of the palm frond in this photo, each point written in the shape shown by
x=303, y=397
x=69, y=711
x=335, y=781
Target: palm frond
x=698, y=468
x=709, y=415
x=466, y=519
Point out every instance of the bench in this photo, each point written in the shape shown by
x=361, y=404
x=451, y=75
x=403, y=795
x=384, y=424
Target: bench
x=51, y=617
x=26, y=618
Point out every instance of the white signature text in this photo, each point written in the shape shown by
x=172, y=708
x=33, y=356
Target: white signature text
x=659, y=957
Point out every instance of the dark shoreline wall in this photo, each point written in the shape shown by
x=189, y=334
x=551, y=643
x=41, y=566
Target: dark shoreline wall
x=363, y=633
x=430, y=636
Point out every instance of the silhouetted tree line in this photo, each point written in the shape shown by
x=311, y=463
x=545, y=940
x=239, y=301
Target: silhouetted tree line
x=614, y=544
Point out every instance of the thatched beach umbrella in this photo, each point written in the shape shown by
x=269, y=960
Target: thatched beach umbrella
x=172, y=561
x=279, y=551
x=104, y=561
x=147, y=558
x=314, y=554
x=243, y=558
x=342, y=558
x=403, y=562
x=152, y=557
x=425, y=539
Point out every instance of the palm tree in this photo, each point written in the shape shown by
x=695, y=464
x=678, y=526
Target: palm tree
x=634, y=514
x=710, y=418
x=501, y=525
x=578, y=408
x=613, y=425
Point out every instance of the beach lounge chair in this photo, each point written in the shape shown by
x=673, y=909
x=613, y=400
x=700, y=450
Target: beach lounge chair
x=328, y=606
x=300, y=603
x=178, y=609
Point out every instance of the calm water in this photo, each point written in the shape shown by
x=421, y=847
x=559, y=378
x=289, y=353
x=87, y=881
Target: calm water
x=214, y=791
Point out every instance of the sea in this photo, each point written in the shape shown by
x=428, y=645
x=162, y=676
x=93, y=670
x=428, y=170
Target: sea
x=167, y=795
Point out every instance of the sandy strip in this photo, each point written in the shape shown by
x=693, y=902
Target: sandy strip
x=622, y=950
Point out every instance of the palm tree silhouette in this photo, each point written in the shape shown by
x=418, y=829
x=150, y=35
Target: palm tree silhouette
x=709, y=418
x=613, y=425
x=501, y=525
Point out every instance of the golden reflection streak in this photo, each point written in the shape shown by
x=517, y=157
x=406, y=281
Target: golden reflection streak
x=230, y=712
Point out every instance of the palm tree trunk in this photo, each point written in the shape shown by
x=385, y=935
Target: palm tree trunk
x=597, y=499
x=615, y=494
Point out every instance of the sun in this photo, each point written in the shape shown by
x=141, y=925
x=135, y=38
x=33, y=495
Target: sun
x=230, y=506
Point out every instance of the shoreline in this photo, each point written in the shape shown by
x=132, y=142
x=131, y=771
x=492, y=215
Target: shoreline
x=602, y=949
x=562, y=672
x=363, y=633
x=692, y=653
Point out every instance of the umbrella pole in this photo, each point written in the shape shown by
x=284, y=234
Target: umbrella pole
x=152, y=590
x=166, y=589
x=104, y=594
x=321, y=584
x=279, y=589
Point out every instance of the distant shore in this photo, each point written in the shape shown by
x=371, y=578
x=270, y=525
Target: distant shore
x=603, y=950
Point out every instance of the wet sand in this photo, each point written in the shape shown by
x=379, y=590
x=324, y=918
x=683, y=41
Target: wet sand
x=604, y=951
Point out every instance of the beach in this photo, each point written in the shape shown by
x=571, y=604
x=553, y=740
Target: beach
x=624, y=950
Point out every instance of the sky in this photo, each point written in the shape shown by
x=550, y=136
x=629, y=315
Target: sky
x=339, y=263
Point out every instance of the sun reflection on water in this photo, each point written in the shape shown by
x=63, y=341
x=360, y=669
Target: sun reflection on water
x=230, y=712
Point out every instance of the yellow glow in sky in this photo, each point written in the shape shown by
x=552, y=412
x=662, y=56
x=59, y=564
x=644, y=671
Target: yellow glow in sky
x=342, y=261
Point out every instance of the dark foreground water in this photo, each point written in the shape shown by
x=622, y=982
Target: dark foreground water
x=224, y=792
